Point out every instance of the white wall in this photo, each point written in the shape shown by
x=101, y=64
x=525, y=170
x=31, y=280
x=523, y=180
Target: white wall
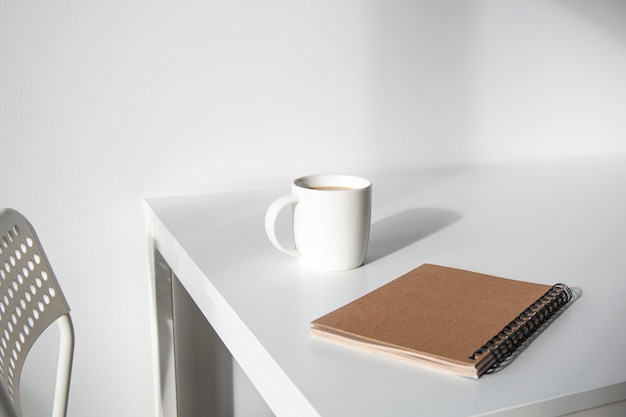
x=105, y=103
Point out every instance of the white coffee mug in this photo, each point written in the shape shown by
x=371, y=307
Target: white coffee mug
x=331, y=220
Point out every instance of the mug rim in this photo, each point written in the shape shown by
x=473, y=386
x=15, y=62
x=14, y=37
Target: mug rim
x=353, y=182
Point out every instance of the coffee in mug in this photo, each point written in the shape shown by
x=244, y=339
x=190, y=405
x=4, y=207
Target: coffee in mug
x=332, y=188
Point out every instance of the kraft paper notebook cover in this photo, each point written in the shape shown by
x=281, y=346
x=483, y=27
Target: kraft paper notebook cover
x=450, y=319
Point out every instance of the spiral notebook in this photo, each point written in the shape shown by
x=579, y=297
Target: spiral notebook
x=449, y=319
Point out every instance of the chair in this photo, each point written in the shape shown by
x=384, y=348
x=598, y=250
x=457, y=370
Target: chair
x=30, y=300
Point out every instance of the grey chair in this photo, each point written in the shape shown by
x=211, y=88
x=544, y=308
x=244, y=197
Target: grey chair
x=30, y=301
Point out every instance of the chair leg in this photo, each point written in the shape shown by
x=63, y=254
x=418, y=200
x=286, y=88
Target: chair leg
x=64, y=367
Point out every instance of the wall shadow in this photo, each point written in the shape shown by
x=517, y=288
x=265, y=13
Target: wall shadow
x=405, y=228
x=605, y=15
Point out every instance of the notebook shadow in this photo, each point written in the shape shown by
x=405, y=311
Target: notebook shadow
x=576, y=294
x=405, y=228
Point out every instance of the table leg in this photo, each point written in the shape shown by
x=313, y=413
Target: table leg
x=197, y=374
x=204, y=367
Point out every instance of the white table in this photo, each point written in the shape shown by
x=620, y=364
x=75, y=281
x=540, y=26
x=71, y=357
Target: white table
x=562, y=222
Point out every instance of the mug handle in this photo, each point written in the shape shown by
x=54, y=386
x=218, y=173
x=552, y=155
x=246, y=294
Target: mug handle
x=270, y=222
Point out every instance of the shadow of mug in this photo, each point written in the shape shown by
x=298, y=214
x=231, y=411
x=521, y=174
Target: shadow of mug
x=405, y=228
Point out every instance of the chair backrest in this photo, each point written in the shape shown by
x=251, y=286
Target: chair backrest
x=30, y=299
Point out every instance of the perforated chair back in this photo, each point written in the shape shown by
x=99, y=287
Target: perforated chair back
x=30, y=300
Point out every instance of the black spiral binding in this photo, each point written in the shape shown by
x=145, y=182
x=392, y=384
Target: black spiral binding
x=502, y=345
